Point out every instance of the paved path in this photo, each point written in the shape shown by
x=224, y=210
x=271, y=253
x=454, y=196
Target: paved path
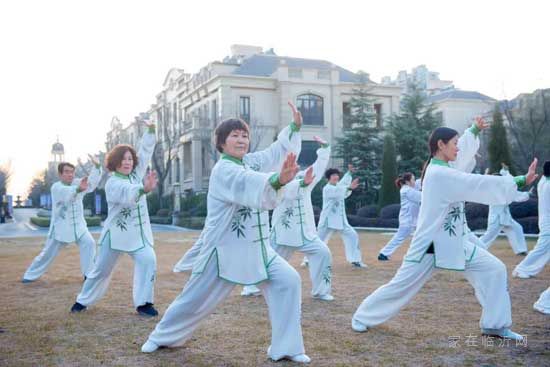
x=22, y=226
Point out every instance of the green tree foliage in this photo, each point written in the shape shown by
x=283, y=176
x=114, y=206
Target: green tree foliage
x=389, y=194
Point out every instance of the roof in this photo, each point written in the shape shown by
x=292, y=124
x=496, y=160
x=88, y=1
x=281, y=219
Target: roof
x=265, y=65
x=459, y=94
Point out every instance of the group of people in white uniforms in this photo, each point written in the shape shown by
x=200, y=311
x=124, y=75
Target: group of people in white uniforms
x=67, y=222
x=237, y=246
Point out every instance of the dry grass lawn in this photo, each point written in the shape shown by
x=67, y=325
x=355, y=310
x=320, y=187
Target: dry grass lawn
x=36, y=328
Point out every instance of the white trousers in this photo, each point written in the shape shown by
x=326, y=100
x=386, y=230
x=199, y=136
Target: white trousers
x=397, y=240
x=188, y=259
x=350, y=238
x=485, y=272
x=320, y=263
x=543, y=303
x=536, y=259
x=97, y=283
x=514, y=233
x=203, y=292
x=41, y=263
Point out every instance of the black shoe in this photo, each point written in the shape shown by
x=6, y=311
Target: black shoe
x=77, y=307
x=147, y=310
x=383, y=257
x=523, y=253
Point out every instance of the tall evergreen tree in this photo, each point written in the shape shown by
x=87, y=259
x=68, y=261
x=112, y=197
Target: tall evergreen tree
x=498, y=147
x=389, y=194
x=361, y=144
x=411, y=128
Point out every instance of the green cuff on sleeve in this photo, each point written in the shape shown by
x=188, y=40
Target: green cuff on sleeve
x=303, y=184
x=520, y=181
x=274, y=182
x=293, y=129
x=475, y=130
x=98, y=166
x=325, y=145
x=78, y=190
x=151, y=129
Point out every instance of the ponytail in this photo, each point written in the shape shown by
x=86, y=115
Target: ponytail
x=403, y=179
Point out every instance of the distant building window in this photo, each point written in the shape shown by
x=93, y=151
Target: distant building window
x=294, y=73
x=215, y=111
x=187, y=161
x=346, y=115
x=178, y=170
x=244, y=108
x=323, y=74
x=378, y=112
x=308, y=154
x=311, y=107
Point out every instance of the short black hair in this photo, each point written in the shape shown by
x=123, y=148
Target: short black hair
x=546, y=169
x=224, y=129
x=62, y=165
x=329, y=172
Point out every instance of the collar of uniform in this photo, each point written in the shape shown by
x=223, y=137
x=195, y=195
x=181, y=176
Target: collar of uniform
x=65, y=184
x=120, y=175
x=439, y=162
x=232, y=159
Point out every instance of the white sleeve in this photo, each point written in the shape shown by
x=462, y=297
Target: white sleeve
x=94, y=178
x=64, y=193
x=414, y=195
x=123, y=192
x=335, y=192
x=271, y=158
x=468, y=145
x=145, y=152
x=320, y=165
x=521, y=196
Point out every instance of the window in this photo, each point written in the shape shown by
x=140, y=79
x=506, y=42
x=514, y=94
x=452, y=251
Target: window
x=346, y=115
x=323, y=74
x=308, y=154
x=244, y=108
x=170, y=174
x=311, y=107
x=378, y=112
x=187, y=161
x=215, y=111
x=294, y=73
x=178, y=169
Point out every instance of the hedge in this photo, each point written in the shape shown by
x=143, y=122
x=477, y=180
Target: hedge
x=45, y=222
x=190, y=222
x=160, y=220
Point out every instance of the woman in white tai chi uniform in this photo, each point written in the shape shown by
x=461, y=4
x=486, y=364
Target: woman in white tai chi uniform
x=441, y=241
x=127, y=228
x=537, y=258
x=333, y=215
x=500, y=218
x=408, y=214
x=294, y=229
x=67, y=223
x=235, y=248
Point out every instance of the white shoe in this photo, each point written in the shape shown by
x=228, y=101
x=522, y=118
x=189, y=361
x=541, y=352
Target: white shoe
x=305, y=263
x=517, y=274
x=300, y=358
x=502, y=333
x=541, y=309
x=250, y=290
x=324, y=297
x=358, y=326
x=149, y=347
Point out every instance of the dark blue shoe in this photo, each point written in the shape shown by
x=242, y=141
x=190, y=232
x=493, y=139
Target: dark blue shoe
x=147, y=310
x=383, y=257
x=77, y=307
x=26, y=280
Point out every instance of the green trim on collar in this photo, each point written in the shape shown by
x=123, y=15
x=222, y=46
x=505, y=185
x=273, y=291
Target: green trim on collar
x=78, y=190
x=120, y=175
x=98, y=166
x=439, y=162
x=274, y=181
x=232, y=159
x=65, y=184
x=325, y=145
x=520, y=181
x=475, y=130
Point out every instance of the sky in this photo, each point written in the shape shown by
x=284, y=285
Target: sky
x=68, y=67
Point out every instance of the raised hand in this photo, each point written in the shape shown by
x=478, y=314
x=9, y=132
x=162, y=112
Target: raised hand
x=319, y=140
x=480, y=123
x=289, y=170
x=94, y=160
x=150, y=181
x=296, y=115
x=149, y=124
x=354, y=184
x=309, y=176
x=83, y=186
x=351, y=168
x=531, y=174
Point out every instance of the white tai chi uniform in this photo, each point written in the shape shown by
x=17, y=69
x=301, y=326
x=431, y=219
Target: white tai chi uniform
x=294, y=230
x=501, y=219
x=127, y=229
x=235, y=250
x=333, y=218
x=537, y=258
x=67, y=225
x=543, y=303
x=441, y=241
x=408, y=215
